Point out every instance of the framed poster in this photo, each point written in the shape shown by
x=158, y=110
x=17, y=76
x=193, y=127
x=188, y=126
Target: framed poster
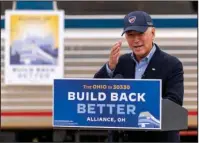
x=34, y=47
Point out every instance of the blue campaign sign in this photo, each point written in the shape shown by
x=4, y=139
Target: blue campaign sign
x=107, y=103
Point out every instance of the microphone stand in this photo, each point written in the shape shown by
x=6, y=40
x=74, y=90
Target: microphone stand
x=110, y=133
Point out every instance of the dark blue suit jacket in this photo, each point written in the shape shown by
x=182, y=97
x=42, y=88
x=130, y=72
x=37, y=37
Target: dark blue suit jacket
x=167, y=68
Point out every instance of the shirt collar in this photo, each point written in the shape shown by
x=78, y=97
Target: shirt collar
x=148, y=57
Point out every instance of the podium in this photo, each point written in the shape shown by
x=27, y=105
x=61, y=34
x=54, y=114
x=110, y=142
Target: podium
x=174, y=116
x=113, y=104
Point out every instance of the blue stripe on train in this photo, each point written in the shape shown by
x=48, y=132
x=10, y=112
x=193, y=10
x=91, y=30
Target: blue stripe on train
x=117, y=23
x=34, y=5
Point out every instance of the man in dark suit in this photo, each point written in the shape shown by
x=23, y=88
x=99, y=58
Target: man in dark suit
x=146, y=61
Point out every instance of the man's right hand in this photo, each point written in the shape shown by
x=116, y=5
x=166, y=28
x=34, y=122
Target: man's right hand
x=114, y=55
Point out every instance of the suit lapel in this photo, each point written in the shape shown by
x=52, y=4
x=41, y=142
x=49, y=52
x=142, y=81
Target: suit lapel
x=129, y=68
x=132, y=75
x=154, y=65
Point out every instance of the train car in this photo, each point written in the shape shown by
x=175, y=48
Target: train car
x=87, y=43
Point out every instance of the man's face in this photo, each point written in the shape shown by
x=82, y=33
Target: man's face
x=140, y=43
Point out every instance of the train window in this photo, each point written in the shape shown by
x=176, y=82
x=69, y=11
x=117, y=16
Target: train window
x=119, y=7
x=123, y=7
x=5, y=5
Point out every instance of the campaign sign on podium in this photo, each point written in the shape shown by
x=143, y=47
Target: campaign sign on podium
x=107, y=103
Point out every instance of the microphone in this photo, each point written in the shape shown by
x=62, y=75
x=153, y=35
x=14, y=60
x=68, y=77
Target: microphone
x=143, y=76
x=118, y=76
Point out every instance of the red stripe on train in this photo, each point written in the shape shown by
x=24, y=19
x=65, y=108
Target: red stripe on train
x=191, y=113
x=26, y=113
